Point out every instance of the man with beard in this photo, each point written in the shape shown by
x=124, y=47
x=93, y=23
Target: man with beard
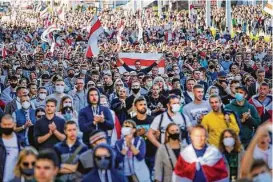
x=135, y=88
x=94, y=116
x=10, y=92
x=198, y=108
x=217, y=121
x=143, y=122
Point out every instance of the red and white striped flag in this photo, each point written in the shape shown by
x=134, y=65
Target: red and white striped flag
x=120, y=30
x=269, y=8
x=146, y=59
x=94, y=32
x=4, y=52
x=211, y=163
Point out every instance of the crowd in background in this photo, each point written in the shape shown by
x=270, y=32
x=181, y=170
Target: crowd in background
x=206, y=117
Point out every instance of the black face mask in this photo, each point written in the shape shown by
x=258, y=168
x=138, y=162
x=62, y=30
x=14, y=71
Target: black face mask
x=13, y=85
x=170, y=75
x=28, y=171
x=7, y=131
x=174, y=136
x=135, y=90
x=211, y=66
x=190, y=59
x=227, y=57
x=223, y=81
x=100, y=60
x=71, y=75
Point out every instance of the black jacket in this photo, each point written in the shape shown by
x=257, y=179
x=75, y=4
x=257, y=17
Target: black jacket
x=3, y=154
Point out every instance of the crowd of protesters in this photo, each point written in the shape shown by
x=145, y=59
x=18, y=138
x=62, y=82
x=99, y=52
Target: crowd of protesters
x=207, y=117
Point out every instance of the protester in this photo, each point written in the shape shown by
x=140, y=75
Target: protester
x=49, y=130
x=131, y=151
x=233, y=152
x=247, y=114
x=24, y=169
x=130, y=53
x=69, y=151
x=94, y=116
x=192, y=161
x=10, y=145
x=104, y=161
x=217, y=121
x=167, y=154
x=47, y=166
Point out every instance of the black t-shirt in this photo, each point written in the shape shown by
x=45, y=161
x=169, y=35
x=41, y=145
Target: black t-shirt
x=176, y=152
x=150, y=148
x=153, y=103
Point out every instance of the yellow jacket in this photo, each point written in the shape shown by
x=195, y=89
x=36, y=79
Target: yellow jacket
x=215, y=123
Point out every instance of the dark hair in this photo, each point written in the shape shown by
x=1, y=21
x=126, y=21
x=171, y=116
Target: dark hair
x=190, y=79
x=197, y=86
x=261, y=70
x=95, y=72
x=39, y=110
x=31, y=84
x=215, y=96
x=259, y=163
x=195, y=71
x=175, y=80
x=139, y=99
x=264, y=84
x=69, y=123
x=166, y=131
x=237, y=145
x=176, y=92
x=234, y=81
x=236, y=64
x=49, y=154
x=19, y=88
x=171, y=97
x=42, y=88
x=146, y=77
x=137, y=61
x=52, y=100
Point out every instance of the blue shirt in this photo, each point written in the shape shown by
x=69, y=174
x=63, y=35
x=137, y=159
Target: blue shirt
x=199, y=175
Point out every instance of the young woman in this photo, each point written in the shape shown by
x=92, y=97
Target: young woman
x=24, y=169
x=66, y=101
x=167, y=154
x=131, y=150
x=233, y=151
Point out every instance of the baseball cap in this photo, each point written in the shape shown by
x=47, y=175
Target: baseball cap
x=222, y=74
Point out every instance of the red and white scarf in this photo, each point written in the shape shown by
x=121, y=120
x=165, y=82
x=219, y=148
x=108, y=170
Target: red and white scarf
x=211, y=163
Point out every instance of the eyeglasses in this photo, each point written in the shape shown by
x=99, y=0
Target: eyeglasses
x=126, y=75
x=39, y=116
x=91, y=85
x=27, y=164
x=119, y=85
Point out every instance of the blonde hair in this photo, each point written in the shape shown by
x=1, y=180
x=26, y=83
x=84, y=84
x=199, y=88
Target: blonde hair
x=25, y=152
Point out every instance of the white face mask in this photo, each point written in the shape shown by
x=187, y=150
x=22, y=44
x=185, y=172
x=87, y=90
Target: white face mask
x=59, y=89
x=263, y=177
x=229, y=142
x=126, y=131
x=67, y=105
x=26, y=105
x=42, y=96
x=176, y=108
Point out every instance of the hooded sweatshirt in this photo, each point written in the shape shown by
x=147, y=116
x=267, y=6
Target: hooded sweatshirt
x=86, y=118
x=250, y=124
x=109, y=175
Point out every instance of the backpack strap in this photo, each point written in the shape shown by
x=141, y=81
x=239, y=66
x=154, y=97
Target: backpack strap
x=160, y=123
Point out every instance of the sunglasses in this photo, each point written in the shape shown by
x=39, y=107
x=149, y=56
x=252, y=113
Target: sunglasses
x=102, y=157
x=39, y=116
x=27, y=164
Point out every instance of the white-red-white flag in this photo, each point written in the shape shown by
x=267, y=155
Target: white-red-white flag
x=120, y=30
x=94, y=32
x=146, y=60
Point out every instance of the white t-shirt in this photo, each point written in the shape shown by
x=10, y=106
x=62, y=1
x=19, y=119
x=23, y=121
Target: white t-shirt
x=12, y=152
x=177, y=118
x=194, y=111
x=266, y=155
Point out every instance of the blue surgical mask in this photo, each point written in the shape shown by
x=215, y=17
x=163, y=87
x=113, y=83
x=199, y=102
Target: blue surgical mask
x=239, y=97
x=68, y=116
x=102, y=163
